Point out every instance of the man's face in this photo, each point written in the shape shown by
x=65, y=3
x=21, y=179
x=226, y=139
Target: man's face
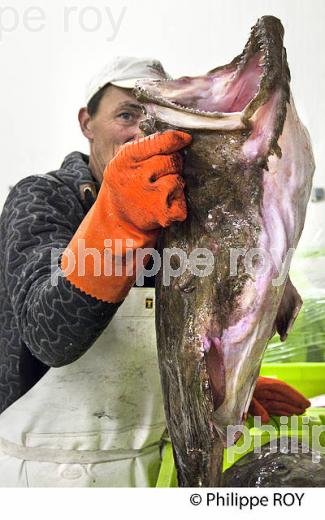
x=115, y=123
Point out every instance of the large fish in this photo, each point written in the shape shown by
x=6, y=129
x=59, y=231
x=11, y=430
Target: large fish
x=248, y=177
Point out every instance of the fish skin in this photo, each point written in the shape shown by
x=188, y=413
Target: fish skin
x=276, y=465
x=247, y=187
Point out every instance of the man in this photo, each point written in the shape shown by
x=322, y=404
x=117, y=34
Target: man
x=68, y=244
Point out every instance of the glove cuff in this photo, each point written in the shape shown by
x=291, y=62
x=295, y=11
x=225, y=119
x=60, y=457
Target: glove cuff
x=101, y=259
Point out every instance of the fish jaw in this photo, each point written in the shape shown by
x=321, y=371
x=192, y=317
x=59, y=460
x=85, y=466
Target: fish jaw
x=230, y=97
x=188, y=120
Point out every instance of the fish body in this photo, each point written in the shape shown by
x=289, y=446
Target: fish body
x=248, y=175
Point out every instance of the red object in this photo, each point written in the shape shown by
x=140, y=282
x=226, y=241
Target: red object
x=141, y=192
x=274, y=397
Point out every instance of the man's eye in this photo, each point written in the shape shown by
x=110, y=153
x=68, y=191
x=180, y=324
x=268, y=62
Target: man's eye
x=126, y=116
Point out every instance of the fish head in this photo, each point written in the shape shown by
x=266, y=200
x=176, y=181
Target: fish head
x=250, y=93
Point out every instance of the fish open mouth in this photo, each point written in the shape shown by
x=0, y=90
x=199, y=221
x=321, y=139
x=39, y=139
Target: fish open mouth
x=227, y=96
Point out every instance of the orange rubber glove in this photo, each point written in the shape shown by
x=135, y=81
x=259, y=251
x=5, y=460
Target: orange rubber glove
x=274, y=397
x=141, y=192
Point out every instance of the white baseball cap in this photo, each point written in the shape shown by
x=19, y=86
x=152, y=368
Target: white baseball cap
x=125, y=71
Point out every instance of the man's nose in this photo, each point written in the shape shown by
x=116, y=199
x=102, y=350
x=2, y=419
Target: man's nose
x=137, y=133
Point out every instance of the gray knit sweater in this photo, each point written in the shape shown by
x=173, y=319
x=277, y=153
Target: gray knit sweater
x=43, y=325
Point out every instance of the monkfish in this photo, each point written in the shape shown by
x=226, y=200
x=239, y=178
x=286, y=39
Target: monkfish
x=248, y=175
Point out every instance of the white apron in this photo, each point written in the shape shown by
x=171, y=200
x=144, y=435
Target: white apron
x=96, y=422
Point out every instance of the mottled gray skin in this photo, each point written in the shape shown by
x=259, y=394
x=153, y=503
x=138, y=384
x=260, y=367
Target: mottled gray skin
x=211, y=335
x=278, y=468
x=192, y=306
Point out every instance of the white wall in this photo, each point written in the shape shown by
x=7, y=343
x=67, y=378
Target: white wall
x=45, y=63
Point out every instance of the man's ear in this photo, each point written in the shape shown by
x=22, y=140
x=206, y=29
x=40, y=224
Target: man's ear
x=85, y=123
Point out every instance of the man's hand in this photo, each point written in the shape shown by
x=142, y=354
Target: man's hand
x=141, y=192
x=274, y=397
x=144, y=182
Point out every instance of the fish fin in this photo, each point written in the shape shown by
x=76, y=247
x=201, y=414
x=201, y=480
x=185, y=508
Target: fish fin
x=288, y=310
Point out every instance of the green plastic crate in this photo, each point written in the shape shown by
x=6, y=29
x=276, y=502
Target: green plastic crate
x=309, y=379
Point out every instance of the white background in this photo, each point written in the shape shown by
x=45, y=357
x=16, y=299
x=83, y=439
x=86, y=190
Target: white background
x=152, y=504
x=45, y=64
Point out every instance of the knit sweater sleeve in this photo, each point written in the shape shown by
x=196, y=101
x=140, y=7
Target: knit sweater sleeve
x=57, y=322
